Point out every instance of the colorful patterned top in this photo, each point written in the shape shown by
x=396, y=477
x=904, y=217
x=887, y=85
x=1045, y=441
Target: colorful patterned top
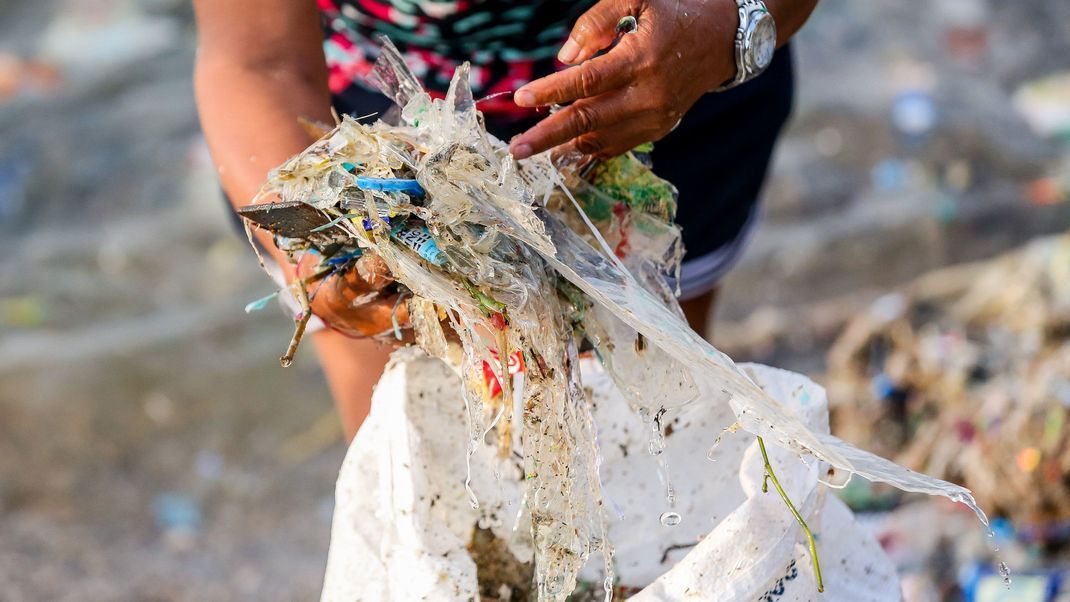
x=508, y=42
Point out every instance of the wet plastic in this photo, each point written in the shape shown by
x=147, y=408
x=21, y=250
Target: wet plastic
x=502, y=257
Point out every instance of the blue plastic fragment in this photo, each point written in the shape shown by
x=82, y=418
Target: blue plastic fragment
x=340, y=259
x=407, y=185
x=369, y=224
x=260, y=303
x=419, y=239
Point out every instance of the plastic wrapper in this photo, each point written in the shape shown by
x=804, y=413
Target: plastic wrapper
x=520, y=270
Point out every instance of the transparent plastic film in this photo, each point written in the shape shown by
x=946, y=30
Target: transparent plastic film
x=507, y=268
x=714, y=371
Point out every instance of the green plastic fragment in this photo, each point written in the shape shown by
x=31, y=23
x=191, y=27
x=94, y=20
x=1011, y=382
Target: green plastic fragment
x=628, y=180
x=485, y=301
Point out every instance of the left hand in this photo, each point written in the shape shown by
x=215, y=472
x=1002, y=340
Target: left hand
x=356, y=301
x=640, y=89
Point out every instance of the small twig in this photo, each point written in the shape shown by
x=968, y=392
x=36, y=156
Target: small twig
x=302, y=321
x=674, y=547
x=769, y=476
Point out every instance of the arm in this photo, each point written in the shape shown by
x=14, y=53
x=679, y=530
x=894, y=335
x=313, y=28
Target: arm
x=260, y=67
x=638, y=91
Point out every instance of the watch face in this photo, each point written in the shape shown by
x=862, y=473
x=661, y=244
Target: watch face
x=761, y=41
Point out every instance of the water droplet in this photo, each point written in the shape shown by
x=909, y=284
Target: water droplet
x=607, y=585
x=671, y=519
x=1005, y=572
x=711, y=453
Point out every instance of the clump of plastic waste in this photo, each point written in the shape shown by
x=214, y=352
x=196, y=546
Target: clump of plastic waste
x=965, y=374
x=522, y=263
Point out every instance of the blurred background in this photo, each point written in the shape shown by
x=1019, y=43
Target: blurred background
x=152, y=449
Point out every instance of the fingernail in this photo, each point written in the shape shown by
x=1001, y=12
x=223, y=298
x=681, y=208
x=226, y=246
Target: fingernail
x=521, y=151
x=569, y=52
x=524, y=98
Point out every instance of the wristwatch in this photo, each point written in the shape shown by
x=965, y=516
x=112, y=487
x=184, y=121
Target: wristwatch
x=755, y=42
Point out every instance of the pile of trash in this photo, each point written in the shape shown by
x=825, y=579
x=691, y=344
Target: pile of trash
x=965, y=375
x=512, y=268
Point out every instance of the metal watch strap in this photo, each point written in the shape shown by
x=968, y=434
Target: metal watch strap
x=743, y=8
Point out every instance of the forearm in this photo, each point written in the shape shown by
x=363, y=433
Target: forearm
x=250, y=119
x=250, y=116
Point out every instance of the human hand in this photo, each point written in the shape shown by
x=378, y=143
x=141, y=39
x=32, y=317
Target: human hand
x=357, y=301
x=640, y=89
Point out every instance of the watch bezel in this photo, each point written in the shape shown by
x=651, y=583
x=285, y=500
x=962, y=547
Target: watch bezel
x=757, y=18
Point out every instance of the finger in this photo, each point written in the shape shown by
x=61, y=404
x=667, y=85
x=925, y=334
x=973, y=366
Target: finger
x=362, y=315
x=610, y=142
x=584, y=116
x=614, y=110
x=611, y=71
x=373, y=271
x=595, y=30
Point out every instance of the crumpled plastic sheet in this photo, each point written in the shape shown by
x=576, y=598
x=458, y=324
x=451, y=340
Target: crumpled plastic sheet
x=493, y=223
x=402, y=522
x=718, y=378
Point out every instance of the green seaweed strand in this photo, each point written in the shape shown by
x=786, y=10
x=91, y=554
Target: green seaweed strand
x=769, y=476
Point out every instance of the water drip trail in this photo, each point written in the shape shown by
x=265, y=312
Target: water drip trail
x=1005, y=572
x=656, y=448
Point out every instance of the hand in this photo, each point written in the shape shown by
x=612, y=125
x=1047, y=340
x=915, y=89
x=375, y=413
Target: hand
x=355, y=302
x=640, y=89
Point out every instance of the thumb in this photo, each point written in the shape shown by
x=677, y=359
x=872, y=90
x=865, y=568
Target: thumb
x=595, y=30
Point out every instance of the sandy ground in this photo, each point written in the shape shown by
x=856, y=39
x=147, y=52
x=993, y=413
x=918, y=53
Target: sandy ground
x=150, y=446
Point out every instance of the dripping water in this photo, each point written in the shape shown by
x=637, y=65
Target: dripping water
x=656, y=448
x=1005, y=572
x=473, y=501
x=968, y=501
x=670, y=518
x=711, y=453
